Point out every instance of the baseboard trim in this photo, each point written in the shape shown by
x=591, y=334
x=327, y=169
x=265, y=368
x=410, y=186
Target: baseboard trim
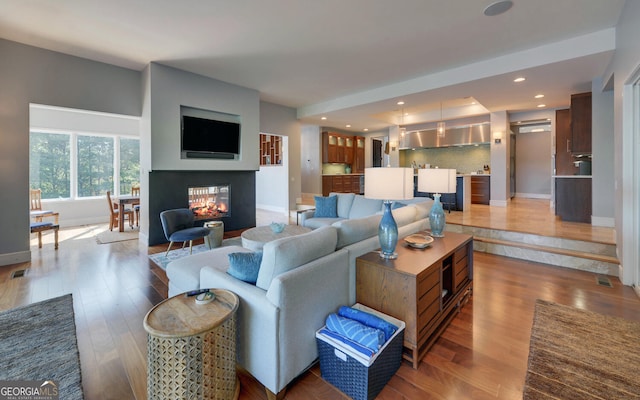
x=603, y=221
x=498, y=203
x=271, y=208
x=534, y=196
x=15, y=258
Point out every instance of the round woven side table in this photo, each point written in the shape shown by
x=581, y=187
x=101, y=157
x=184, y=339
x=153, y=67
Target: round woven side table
x=192, y=348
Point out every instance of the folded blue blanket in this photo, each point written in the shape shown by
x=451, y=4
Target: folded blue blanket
x=368, y=319
x=354, y=345
x=371, y=338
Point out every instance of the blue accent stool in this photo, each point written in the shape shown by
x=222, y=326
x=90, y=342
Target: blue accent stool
x=178, y=226
x=388, y=233
x=436, y=217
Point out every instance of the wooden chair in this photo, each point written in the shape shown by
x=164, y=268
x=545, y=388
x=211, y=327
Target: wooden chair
x=35, y=200
x=135, y=191
x=39, y=227
x=116, y=213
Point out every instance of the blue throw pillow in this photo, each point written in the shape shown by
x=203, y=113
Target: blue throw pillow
x=326, y=207
x=245, y=266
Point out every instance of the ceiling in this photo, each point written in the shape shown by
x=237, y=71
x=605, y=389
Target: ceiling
x=349, y=61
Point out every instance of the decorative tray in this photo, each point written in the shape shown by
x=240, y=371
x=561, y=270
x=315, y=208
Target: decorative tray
x=419, y=241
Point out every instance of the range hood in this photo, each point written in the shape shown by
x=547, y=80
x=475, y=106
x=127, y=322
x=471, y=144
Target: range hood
x=454, y=136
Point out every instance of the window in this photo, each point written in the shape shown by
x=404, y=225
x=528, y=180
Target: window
x=70, y=165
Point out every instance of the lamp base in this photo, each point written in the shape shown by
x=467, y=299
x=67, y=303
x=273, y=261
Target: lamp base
x=391, y=256
x=436, y=217
x=388, y=233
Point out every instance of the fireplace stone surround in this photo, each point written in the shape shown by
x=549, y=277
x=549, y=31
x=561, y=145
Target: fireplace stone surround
x=169, y=189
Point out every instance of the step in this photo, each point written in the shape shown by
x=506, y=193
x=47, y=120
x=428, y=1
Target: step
x=583, y=255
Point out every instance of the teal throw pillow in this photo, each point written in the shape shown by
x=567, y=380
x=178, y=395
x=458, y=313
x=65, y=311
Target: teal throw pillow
x=245, y=266
x=326, y=207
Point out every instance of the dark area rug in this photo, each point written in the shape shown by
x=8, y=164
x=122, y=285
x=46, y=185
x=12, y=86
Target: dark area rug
x=38, y=343
x=581, y=355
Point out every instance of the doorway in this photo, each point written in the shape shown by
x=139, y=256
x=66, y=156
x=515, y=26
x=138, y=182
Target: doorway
x=376, y=152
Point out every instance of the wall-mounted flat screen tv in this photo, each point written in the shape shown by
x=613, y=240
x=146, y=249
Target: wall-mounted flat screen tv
x=201, y=136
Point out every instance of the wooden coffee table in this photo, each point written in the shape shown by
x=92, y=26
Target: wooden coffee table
x=255, y=238
x=192, y=348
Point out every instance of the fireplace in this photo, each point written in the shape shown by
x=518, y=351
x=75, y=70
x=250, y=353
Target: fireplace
x=209, y=202
x=170, y=189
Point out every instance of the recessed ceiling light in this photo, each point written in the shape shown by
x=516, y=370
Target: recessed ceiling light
x=473, y=103
x=539, y=96
x=498, y=8
x=400, y=103
x=348, y=125
x=323, y=118
x=519, y=79
x=366, y=129
x=541, y=105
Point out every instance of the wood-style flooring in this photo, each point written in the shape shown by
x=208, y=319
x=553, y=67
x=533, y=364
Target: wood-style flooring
x=481, y=355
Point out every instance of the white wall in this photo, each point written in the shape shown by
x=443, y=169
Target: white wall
x=311, y=159
x=500, y=169
x=272, y=183
x=627, y=210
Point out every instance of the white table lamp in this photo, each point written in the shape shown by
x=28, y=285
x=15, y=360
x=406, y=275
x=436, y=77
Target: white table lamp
x=437, y=181
x=388, y=184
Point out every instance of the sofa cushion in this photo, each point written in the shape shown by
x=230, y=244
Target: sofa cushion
x=363, y=207
x=423, y=208
x=404, y=215
x=355, y=230
x=285, y=254
x=326, y=207
x=315, y=223
x=245, y=266
x=184, y=273
x=345, y=200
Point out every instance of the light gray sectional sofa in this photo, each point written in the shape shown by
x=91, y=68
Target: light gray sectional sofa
x=301, y=280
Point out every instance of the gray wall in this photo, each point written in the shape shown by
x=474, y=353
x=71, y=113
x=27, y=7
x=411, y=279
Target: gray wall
x=533, y=166
x=281, y=120
x=32, y=75
x=603, y=149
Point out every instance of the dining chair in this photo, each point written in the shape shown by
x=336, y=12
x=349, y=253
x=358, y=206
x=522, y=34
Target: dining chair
x=36, y=211
x=135, y=191
x=116, y=213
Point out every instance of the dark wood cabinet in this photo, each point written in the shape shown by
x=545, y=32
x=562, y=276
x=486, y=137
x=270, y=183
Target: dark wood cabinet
x=423, y=288
x=341, y=184
x=359, y=155
x=573, y=199
x=581, y=123
x=564, y=159
x=480, y=189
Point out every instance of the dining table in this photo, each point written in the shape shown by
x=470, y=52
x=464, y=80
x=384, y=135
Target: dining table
x=122, y=202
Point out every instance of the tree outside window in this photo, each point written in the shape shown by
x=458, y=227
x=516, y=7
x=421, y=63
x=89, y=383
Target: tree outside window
x=95, y=165
x=49, y=164
x=129, y=164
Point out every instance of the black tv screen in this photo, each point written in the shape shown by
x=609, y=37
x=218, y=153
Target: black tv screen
x=210, y=136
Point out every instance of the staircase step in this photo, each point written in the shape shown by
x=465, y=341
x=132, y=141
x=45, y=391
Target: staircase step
x=583, y=255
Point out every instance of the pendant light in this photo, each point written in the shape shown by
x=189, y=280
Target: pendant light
x=441, y=127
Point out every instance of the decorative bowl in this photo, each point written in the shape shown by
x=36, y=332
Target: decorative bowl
x=277, y=227
x=419, y=241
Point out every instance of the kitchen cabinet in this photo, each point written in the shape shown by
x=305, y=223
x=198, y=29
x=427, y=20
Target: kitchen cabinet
x=573, y=198
x=581, y=123
x=564, y=160
x=347, y=183
x=359, y=154
x=480, y=189
x=343, y=149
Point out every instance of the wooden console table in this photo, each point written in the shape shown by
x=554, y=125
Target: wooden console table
x=422, y=287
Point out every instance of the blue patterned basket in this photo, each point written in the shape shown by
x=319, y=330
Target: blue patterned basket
x=355, y=375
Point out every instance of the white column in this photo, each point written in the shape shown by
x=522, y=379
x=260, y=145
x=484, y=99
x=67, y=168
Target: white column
x=500, y=153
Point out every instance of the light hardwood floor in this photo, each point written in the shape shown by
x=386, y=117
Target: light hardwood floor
x=481, y=355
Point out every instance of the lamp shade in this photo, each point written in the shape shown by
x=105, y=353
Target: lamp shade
x=386, y=183
x=437, y=180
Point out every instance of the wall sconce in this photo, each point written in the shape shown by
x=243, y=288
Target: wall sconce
x=394, y=145
x=497, y=137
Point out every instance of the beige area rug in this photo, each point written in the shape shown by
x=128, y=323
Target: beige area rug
x=581, y=355
x=116, y=236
